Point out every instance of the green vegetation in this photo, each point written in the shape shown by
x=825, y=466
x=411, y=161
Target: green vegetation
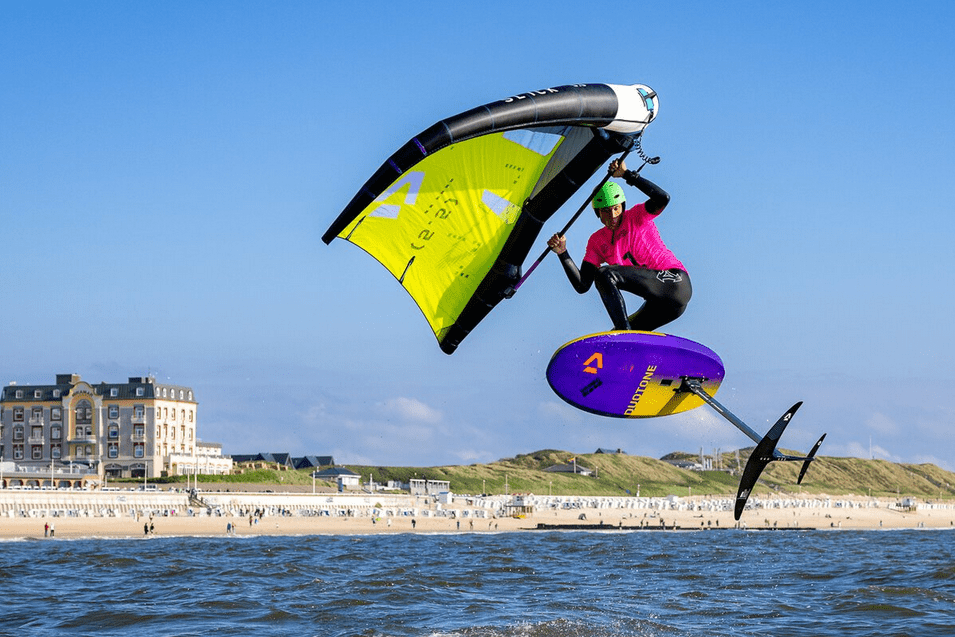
x=273, y=477
x=616, y=474
x=622, y=474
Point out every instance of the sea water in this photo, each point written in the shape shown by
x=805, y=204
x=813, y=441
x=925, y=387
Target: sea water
x=528, y=584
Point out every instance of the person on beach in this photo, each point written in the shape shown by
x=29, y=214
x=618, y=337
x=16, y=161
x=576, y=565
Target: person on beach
x=628, y=254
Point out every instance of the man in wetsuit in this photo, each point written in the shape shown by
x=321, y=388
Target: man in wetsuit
x=636, y=258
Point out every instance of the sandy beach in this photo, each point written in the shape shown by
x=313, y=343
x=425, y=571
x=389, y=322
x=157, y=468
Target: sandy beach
x=124, y=516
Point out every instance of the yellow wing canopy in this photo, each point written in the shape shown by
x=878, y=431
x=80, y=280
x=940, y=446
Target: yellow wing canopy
x=455, y=211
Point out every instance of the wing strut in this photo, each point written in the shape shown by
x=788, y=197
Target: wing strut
x=765, y=451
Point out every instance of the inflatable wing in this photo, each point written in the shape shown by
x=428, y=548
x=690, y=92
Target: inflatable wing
x=455, y=211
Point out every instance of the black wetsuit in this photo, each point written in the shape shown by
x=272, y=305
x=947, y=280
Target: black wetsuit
x=665, y=292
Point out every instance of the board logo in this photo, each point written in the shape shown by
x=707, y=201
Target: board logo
x=594, y=363
x=638, y=394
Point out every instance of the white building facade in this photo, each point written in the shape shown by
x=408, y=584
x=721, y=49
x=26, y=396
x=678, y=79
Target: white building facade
x=120, y=430
x=206, y=459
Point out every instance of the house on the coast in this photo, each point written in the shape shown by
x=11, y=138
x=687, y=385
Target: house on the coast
x=570, y=467
x=689, y=465
x=423, y=486
x=282, y=461
x=76, y=431
x=345, y=478
x=307, y=462
x=206, y=459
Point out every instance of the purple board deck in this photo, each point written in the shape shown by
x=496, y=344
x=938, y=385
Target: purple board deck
x=632, y=374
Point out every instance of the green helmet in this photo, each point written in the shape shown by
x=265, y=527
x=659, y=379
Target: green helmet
x=609, y=194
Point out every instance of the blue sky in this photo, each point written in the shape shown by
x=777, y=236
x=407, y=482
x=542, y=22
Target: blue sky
x=167, y=170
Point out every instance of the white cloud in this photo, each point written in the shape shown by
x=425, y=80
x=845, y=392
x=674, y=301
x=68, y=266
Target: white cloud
x=553, y=410
x=410, y=409
x=882, y=424
x=929, y=459
x=473, y=456
x=855, y=449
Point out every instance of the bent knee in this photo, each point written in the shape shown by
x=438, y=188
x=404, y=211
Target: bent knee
x=607, y=276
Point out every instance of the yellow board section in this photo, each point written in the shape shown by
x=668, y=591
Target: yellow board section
x=440, y=226
x=657, y=400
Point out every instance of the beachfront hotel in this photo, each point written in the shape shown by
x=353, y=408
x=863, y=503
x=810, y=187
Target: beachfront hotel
x=73, y=431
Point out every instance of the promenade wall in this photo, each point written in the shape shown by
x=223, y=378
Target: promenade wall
x=367, y=505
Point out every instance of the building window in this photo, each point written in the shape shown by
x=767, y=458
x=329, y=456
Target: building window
x=140, y=391
x=114, y=411
x=138, y=451
x=18, y=452
x=113, y=392
x=36, y=433
x=56, y=432
x=37, y=413
x=56, y=413
x=84, y=412
x=56, y=393
x=19, y=393
x=37, y=393
x=139, y=431
x=55, y=452
x=113, y=450
x=37, y=452
x=113, y=431
x=18, y=432
x=80, y=452
x=18, y=414
x=139, y=411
